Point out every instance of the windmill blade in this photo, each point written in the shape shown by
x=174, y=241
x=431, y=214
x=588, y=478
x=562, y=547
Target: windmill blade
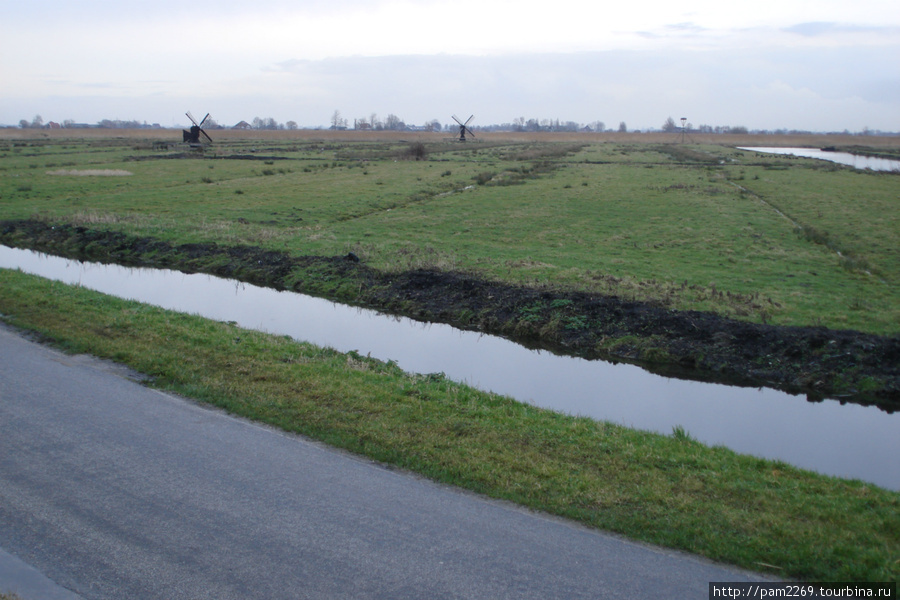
x=469, y=131
x=204, y=120
x=469, y=120
x=206, y=136
x=191, y=117
x=457, y=120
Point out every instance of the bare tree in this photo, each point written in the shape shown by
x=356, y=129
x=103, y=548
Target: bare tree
x=393, y=122
x=623, y=128
x=36, y=123
x=670, y=126
x=336, y=120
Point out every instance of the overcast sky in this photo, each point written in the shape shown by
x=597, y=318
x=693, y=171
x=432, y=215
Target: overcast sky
x=822, y=65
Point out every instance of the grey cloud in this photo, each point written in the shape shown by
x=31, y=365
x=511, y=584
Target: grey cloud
x=684, y=29
x=818, y=28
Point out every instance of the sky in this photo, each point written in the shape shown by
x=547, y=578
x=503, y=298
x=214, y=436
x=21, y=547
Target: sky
x=817, y=65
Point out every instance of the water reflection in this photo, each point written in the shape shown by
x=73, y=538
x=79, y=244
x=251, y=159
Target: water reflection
x=848, y=441
x=844, y=158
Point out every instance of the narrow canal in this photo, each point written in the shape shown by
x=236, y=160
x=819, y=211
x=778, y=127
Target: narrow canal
x=843, y=440
x=857, y=161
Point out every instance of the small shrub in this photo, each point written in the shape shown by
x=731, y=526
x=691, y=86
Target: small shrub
x=855, y=263
x=483, y=177
x=417, y=151
x=576, y=323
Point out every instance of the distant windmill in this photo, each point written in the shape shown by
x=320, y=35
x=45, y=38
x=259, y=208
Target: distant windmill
x=192, y=137
x=464, y=128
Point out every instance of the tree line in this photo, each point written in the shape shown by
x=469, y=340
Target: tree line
x=392, y=122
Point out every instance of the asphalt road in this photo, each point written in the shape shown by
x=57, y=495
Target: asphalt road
x=109, y=489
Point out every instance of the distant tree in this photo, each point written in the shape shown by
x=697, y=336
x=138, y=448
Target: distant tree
x=669, y=125
x=336, y=121
x=291, y=125
x=36, y=123
x=622, y=127
x=267, y=123
x=393, y=122
x=433, y=125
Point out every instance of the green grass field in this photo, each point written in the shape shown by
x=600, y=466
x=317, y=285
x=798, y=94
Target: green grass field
x=818, y=244
x=704, y=226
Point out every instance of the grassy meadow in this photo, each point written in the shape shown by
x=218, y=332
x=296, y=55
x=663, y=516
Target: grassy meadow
x=700, y=226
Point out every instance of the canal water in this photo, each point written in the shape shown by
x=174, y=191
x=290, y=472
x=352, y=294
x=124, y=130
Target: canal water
x=844, y=158
x=844, y=440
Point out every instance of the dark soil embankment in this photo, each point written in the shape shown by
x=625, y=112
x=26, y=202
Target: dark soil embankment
x=815, y=361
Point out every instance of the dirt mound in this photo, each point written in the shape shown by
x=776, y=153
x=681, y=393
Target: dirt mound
x=819, y=362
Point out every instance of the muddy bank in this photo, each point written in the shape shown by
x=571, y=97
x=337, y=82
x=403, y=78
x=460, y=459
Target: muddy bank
x=815, y=361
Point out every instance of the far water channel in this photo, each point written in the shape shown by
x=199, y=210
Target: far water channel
x=844, y=158
x=844, y=440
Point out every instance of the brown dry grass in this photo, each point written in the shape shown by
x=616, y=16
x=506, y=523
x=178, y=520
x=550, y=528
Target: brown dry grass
x=810, y=140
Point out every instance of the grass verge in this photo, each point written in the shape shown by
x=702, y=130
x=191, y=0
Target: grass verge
x=667, y=490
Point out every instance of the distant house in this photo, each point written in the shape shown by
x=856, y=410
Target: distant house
x=242, y=125
x=54, y=125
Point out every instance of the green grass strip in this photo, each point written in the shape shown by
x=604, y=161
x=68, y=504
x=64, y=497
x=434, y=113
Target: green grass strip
x=668, y=490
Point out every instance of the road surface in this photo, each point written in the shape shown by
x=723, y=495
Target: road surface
x=109, y=489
